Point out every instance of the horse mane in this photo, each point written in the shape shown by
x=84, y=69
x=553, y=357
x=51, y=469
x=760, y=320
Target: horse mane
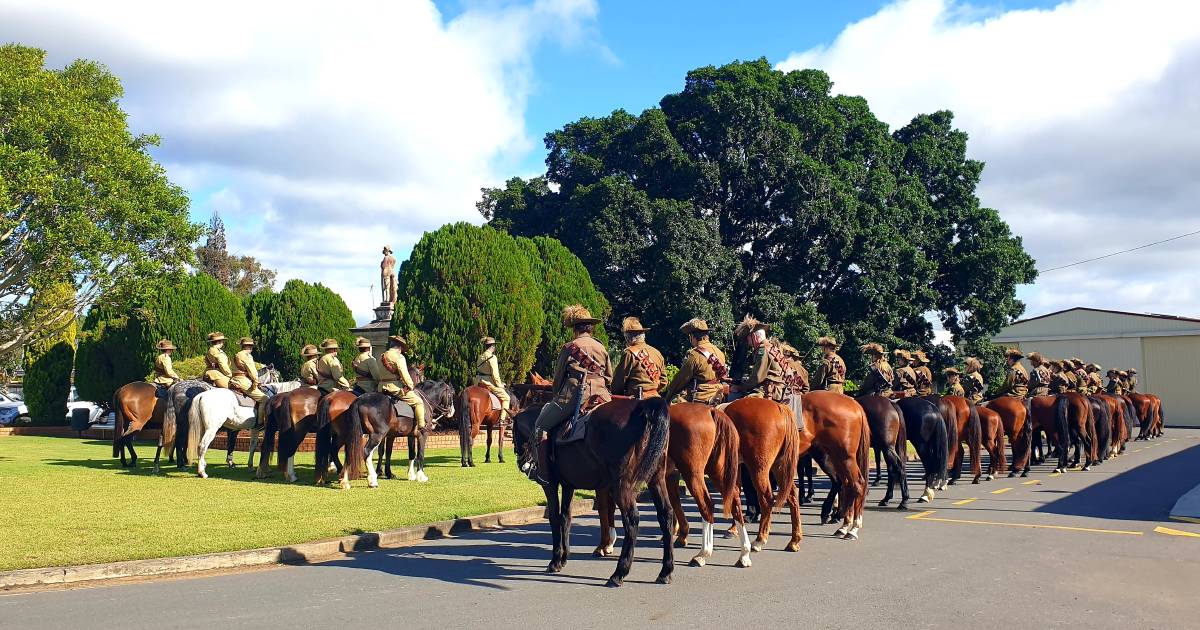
x=748, y=324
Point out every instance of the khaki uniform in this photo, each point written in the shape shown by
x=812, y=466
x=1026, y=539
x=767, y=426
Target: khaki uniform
x=218, y=372
x=1072, y=382
x=796, y=376
x=308, y=372
x=395, y=381
x=878, y=380
x=924, y=380
x=164, y=372
x=1039, y=381
x=1060, y=382
x=905, y=385
x=329, y=373
x=582, y=367
x=1083, y=385
x=763, y=374
x=1115, y=388
x=700, y=367
x=831, y=374
x=956, y=389
x=1095, y=383
x=245, y=376
x=364, y=372
x=1131, y=384
x=641, y=366
x=487, y=376
x=974, y=387
x=1017, y=382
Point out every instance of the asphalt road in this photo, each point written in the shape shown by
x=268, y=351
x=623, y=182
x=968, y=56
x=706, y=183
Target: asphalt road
x=1079, y=549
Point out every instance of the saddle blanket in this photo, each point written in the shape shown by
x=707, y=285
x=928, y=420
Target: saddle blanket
x=242, y=399
x=574, y=429
x=405, y=410
x=495, y=401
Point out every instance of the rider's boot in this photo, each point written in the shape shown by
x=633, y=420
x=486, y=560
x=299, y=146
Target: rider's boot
x=540, y=471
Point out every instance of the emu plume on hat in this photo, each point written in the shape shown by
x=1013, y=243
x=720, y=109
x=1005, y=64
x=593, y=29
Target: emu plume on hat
x=1013, y=352
x=828, y=342
x=694, y=325
x=749, y=325
x=632, y=326
x=576, y=314
x=873, y=348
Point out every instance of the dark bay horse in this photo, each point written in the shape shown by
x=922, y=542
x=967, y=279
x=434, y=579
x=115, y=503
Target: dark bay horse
x=292, y=416
x=338, y=429
x=1100, y=428
x=889, y=439
x=967, y=428
x=769, y=446
x=382, y=426
x=475, y=412
x=1018, y=427
x=926, y=429
x=624, y=447
x=950, y=417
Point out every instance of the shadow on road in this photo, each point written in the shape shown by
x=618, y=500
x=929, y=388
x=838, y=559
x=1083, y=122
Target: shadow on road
x=1145, y=493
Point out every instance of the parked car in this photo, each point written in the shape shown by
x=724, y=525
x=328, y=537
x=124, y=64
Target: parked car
x=12, y=409
x=96, y=413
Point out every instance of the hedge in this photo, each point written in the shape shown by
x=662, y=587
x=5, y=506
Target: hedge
x=48, y=364
x=301, y=313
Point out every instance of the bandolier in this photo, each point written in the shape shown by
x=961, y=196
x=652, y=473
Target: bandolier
x=365, y=368
x=973, y=384
x=703, y=375
x=879, y=378
x=1040, y=377
x=641, y=371
x=1016, y=384
x=795, y=376
x=218, y=372
x=924, y=378
x=487, y=375
x=308, y=369
x=953, y=385
x=164, y=372
x=762, y=376
x=394, y=380
x=904, y=384
x=831, y=374
x=329, y=368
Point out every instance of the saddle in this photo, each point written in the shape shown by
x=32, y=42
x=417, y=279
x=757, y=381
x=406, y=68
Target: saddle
x=495, y=402
x=242, y=399
x=575, y=429
x=405, y=410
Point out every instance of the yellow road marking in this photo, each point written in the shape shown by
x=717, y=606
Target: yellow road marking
x=965, y=501
x=1031, y=482
x=1175, y=532
x=1185, y=519
x=1001, y=490
x=924, y=516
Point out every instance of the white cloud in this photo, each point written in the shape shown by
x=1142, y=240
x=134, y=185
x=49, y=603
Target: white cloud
x=1085, y=115
x=320, y=131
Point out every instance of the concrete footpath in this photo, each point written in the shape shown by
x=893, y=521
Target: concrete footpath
x=1187, y=508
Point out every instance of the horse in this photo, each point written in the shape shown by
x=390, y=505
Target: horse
x=1143, y=406
x=838, y=435
x=1018, y=428
x=292, y=416
x=950, y=417
x=137, y=405
x=769, y=447
x=967, y=428
x=624, y=446
x=382, y=426
x=475, y=411
x=179, y=400
x=926, y=429
x=225, y=411
x=1100, y=428
x=889, y=439
x=992, y=438
x=337, y=428
x=1064, y=418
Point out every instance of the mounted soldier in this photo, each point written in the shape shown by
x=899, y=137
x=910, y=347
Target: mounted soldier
x=762, y=376
x=973, y=384
x=905, y=383
x=1068, y=374
x=1131, y=381
x=924, y=377
x=1114, y=383
x=1039, y=377
x=582, y=373
x=794, y=372
x=831, y=374
x=1095, y=383
x=487, y=376
x=953, y=385
x=164, y=372
x=1016, y=384
x=218, y=372
x=395, y=381
x=641, y=372
x=308, y=369
x=880, y=375
x=245, y=376
x=703, y=375
x=1126, y=381
x=330, y=377
x=365, y=368
x=1081, y=377
x=1060, y=378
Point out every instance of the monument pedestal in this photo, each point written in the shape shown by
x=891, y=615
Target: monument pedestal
x=377, y=330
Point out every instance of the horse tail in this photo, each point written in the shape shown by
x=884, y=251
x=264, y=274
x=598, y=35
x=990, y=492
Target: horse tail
x=901, y=434
x=267, y=443
x=864, y=451
x=1062, y=423
x=791, y=459
x=118, y=423
x=974, y=433
x=355, y=456
x=464, y=423
x=727, y=445
x=324, y=445
x=653, y=413
x=195, y=432
x=940, y=448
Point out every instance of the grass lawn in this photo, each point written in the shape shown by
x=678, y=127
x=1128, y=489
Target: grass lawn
x=65, y=501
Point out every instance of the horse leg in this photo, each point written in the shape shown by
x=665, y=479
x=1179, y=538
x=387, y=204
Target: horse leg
x=230, y=442
x=388, y=441
x=253, y=447
x=629, y=519
x=682, y=527
x=568, y=495
x=157, y=453
x=422, y=477
x=412, y=459
x=556, y=517
x=879, y=472
x=956, y=467
x=372, y=472
x=762, y=486
x=608, y=532
x=889, y=455
x=704, y=503
x=658, y=489
x=500, y=441
x=487, y=454
x=291, y=469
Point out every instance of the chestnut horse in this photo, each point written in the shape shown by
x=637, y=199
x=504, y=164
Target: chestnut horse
x=1064, y=418
x=1143, y=405
x=992, y=438
x=967, y=428
x=1100, y=428
x=890, y=441
x=624, y=446
x=769, y=445
x=836, y=432
x=1018, y=427
x=475, y=411
x=137, y=405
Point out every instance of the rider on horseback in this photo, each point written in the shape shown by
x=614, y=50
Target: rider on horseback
x=364, y=367
x=395, y=381
x=582, y=371
x=164, y=372
x=1016, y=384
x=831, y=374
x=1130, y=381
x=1114, y=383
x=329, y=369
x=1060, y=378
x=953, y=385
x=924, y=377
x=974, y=384
x=762, y=376
x=218, y=373
x=703, y=372
x=245, y=376
x=794, y=372
x=1095, y=383
x=1040, y=377
x=487, y=375
x=878, y=381
x=308, y=369
x=642, y=369
x=905, y=383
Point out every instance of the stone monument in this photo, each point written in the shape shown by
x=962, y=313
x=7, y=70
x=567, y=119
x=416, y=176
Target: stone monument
x=377, y=330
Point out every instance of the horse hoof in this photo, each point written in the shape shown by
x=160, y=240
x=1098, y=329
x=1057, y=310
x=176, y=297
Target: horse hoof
x=903, y=505
x=1086, y=468
x=743, y=562
x=680, y=543
x=990, y=478
x=372, y=484
x=1012, y=474
x=487, y=460
x=203, y=475
x=501, y=460
x=472, y=464
x=345, y=485
x=696, y=562
x=954, y=481
x=465, y=465
x=923, y=499
x=850, y=536
x=422, y=477
x=840, y=532
x=613, y=582
x=554, y=568
x=883, y=503
x=792, y=546
x=663, y=578
x=757, y=546
x=598, y=552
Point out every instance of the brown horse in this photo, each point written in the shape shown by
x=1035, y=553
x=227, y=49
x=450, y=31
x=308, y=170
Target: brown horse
x=137, y=406
x=1117, y=412
x=338, y=429
x=291, y=415
x=1018, y=427
x=475, y=411
x=836, y=432
x=624, y=446
x=1064, y=418
x=953, y=438
x=889, y=440
x=769, y=446
x=1143, y=405
x=991, y=428
x=967, y=428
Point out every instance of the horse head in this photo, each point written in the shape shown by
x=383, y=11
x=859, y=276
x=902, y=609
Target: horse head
x=268, y=374
x=441, y=398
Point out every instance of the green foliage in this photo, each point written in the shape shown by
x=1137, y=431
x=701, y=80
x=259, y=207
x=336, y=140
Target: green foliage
x=117, y=344
x=758, y=191
x=81, y=199
x=301, y=313
x=48, y=363
x=565, y=281
x=671, y=370
x=190, y=368
x=994, y=367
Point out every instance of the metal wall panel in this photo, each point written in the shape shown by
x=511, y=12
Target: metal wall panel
x=1092, y=323
x=1173, y=373
x=1120, y=353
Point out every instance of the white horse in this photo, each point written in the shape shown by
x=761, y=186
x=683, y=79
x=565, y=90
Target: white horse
x=218, y=409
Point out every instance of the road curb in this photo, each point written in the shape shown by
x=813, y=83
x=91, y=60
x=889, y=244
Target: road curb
x=302, y=553
x=1187, y=508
